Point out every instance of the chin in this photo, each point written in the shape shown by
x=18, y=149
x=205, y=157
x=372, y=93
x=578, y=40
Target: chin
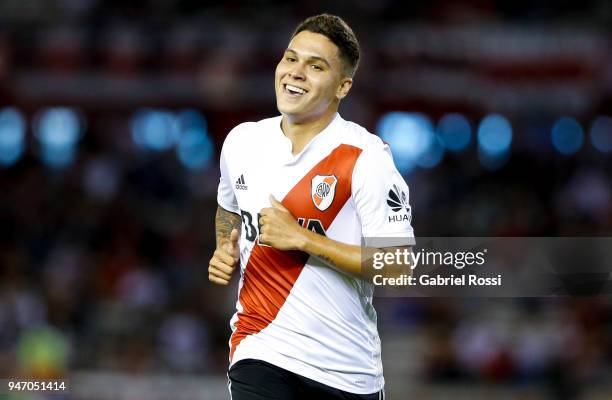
x=288, y=111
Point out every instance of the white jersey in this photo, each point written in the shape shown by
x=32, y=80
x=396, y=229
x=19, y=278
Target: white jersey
x=293, y=311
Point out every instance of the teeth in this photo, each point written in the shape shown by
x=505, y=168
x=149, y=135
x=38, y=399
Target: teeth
x=295, y=89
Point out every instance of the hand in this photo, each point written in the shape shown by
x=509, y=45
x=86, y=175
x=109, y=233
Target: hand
x=279, y=228
x=224, y=260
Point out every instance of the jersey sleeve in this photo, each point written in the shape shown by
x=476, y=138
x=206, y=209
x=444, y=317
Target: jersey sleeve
x=381, y=198
x=226, y=198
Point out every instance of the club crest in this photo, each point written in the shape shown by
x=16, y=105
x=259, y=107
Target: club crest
x=323, y=190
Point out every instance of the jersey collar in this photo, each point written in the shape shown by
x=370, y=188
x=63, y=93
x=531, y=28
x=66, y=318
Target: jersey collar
x=288, y=157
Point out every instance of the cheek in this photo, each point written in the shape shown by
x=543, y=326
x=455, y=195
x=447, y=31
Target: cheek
x=280, y=70
x=327, y=87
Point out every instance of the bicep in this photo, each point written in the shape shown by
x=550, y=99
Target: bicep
x=381, y=199
x=226, y=196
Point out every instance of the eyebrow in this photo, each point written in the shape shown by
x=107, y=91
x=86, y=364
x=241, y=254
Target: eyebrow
x=311, y=57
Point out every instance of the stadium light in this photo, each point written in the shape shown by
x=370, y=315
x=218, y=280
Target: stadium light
x=58, y=130
x=601, y=134
x=195, y=147
x=567, y=136
x=12, y=136
x=494, y=135
x=494, y=141
x=155, y=129
x=433, y=155
x=455, y=132
x=410, y=136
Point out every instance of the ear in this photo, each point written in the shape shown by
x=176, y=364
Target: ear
x=344, y=87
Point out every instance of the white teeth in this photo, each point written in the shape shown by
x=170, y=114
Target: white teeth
x=295, y=89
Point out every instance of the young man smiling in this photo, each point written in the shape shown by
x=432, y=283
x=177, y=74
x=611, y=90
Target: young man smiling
x=297, y=194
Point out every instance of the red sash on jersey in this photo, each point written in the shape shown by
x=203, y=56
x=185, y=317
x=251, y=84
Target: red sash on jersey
x=270, y=273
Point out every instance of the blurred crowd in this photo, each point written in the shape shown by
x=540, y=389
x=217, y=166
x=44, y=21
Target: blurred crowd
x=103, y=262
x=560, y=345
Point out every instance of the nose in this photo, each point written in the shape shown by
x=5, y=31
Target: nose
x=297, y=71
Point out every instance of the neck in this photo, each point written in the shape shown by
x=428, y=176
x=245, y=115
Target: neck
x=301, y=132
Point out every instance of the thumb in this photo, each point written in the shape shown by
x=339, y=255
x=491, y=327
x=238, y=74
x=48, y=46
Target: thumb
x=277, y=204
x=233, y=243
x=234, y=236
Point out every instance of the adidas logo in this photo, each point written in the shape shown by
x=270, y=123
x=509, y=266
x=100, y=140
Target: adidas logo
x=241, y=184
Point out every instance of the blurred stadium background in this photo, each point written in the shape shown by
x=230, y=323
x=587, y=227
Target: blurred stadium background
x=112, y=115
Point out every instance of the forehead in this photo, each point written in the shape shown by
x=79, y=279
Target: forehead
x=310, y=44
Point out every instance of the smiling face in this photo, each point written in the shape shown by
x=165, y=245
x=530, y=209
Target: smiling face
x=310, y=78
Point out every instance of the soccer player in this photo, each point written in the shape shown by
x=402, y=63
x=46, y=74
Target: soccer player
x=297, y=194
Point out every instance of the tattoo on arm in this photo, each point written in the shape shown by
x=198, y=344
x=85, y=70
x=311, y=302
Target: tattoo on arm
x=225, y=221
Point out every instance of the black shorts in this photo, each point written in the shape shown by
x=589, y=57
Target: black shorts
x=258, y=380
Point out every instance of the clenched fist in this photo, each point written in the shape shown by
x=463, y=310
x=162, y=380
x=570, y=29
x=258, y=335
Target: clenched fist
x=224, y=260
x=279, y=228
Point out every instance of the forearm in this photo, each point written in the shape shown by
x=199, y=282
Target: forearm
x=225, y=222
x=280, y=230
x=342, y=256
x=349, y=258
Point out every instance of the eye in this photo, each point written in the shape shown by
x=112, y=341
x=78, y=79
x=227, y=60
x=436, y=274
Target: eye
x=316, y=67
x=290, y=59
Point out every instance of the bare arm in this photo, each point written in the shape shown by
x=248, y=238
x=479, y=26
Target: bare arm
x=225, y=222
x=350, y=258
x=280, y=230
x=226, y=256
x=339, y=255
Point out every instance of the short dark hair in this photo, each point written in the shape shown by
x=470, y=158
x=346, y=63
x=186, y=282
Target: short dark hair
x=340, y=34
